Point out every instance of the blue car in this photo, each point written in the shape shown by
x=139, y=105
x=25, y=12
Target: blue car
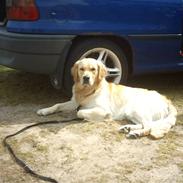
x=130, y=37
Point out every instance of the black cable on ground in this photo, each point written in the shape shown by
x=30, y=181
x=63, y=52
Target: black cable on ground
x=23, y=164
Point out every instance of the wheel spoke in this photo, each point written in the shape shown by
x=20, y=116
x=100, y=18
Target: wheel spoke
x=113, y=72
x=103, y=56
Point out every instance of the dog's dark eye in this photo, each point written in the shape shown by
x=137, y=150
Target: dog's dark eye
x=92, y=69
x=81, y=69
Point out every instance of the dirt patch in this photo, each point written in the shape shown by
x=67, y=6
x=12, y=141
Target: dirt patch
x=80, y=152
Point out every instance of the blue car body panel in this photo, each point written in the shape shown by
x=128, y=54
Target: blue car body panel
x=153, y=28
x=110, y=16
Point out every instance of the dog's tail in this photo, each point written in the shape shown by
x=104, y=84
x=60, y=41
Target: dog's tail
x=161, y=127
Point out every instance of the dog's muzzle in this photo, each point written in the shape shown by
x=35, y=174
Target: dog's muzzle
x=86, y=80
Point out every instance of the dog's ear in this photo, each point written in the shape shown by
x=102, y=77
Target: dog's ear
x=74, y=72
x=102, y=71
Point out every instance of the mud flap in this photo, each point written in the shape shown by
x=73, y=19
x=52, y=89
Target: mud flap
x=181, y=50
x=2, y=12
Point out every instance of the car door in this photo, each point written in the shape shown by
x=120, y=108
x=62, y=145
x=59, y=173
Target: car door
x=156, y=35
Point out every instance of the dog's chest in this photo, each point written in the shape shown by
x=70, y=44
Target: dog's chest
x=94, y=100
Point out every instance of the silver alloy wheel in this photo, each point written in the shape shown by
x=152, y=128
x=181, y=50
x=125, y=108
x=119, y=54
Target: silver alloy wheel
x=111, y=61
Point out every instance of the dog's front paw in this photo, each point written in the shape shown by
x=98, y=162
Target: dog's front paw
x=125, y=129
x=133, y=135
x=42, y=112
x=80, y=115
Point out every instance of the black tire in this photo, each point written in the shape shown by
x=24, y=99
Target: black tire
x=83, y=47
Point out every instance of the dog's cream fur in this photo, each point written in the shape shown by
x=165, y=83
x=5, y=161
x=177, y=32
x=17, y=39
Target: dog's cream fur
x=98, y=100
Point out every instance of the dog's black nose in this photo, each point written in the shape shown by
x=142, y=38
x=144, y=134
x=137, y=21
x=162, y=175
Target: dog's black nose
x=86, y=79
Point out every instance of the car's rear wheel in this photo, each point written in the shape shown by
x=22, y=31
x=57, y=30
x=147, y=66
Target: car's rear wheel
x=101, y=49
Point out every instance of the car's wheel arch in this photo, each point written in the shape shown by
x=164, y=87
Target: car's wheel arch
x=122, y=42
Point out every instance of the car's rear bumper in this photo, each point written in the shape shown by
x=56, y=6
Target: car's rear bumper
x=32, y=53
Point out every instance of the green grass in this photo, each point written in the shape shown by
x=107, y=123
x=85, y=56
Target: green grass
x=5, y=69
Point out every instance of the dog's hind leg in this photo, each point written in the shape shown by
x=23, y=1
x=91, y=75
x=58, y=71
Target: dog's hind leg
x=139, y=132
x=129, y=127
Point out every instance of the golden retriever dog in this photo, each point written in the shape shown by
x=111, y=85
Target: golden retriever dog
x=98, y=100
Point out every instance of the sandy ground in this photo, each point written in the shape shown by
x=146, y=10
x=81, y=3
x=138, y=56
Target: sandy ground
x=84, y=152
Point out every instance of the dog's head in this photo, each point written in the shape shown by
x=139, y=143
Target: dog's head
x=88, y=72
